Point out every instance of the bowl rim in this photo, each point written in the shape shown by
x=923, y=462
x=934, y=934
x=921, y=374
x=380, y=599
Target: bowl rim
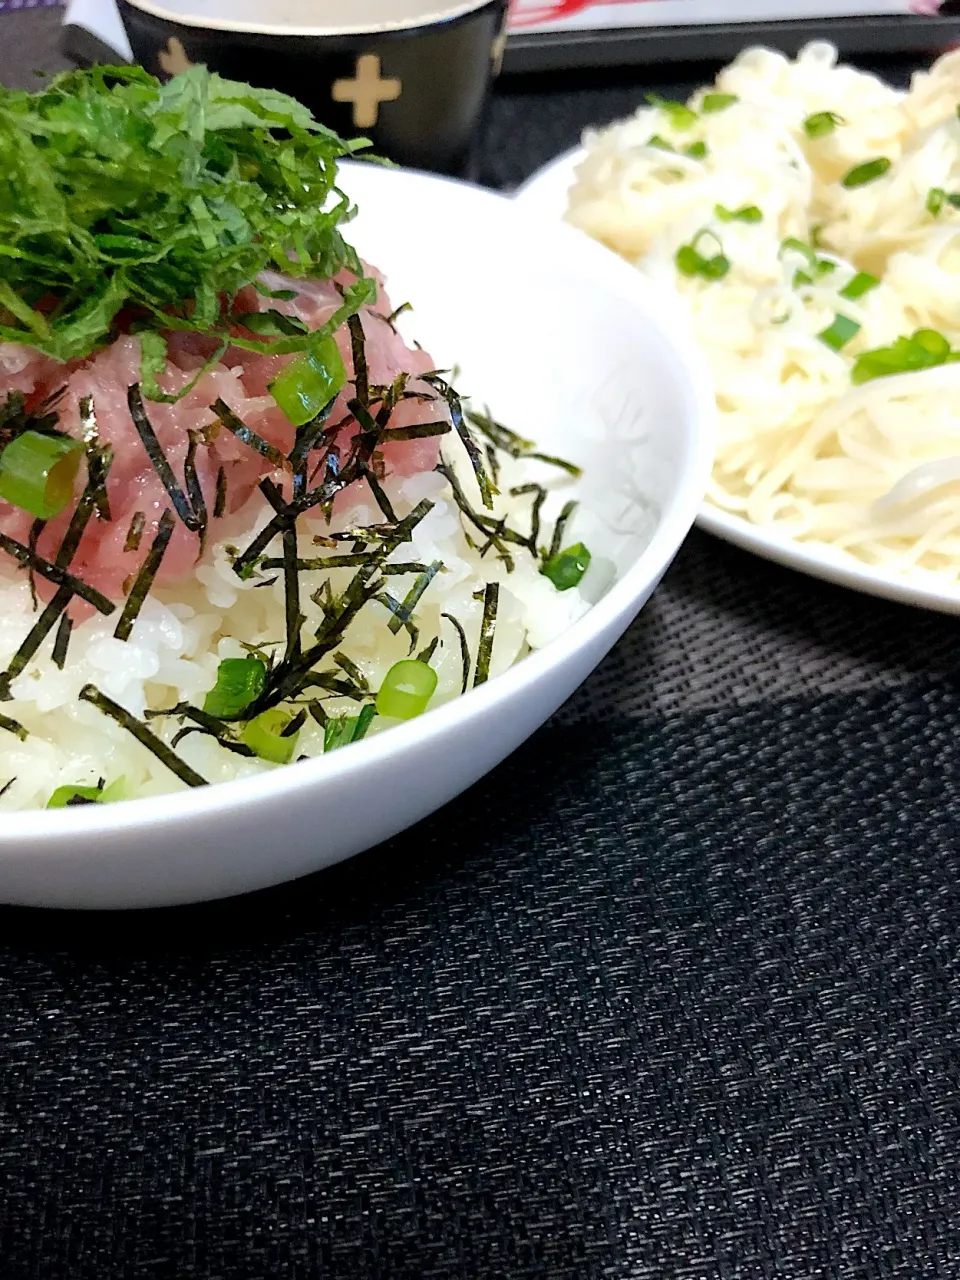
x=452, y=12
x=615, y=609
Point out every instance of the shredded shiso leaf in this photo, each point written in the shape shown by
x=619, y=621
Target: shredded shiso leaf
x=120, y=193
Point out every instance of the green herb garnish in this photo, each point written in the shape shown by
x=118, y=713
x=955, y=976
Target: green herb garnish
x=869, y=171
x=937, y=199
x=406, y=690
x=306, y=384
x=118, y=193
x=678, y=113
x=839, y=332
x=821, y=123
x=340, y=731
x=696, y=151
x=661, y=144
x=861, y=284
x=240, y=681
x=717, y=102
x=37, y=472
x=746, y=213
x=565, y=569
x=267, y=737
x=925, y=349
x=691, y=262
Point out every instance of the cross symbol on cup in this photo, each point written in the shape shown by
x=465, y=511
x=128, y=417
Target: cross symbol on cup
x=367, y=91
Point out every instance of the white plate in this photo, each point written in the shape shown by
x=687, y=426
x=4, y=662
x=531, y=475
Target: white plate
x=565, y=342
x=545, y=196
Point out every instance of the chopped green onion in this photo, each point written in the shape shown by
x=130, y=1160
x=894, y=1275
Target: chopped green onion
x=567, y=567
x=717, y=102
x=661, y=144
x=37, y=472
x=265, y=737
x=869, y=171
x=925, y=349
x=696, y=151
x=821, y=123
x=71, y=795
x=793, y=245
x=239, y=682
x=679, y=114
x=746, y=213
x=65, y=797
x=691, y=262
x=839, y=333
x=306, y=384
x=340, y=731
x=937, y=198
x=861, y=284
x=407, y=688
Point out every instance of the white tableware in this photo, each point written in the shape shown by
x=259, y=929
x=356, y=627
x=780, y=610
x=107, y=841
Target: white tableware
x=545, y=196
x=567, y=344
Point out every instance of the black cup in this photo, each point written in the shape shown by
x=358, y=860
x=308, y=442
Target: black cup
x=417, y=90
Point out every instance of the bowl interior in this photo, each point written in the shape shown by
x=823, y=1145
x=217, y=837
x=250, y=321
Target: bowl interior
x=557, y=343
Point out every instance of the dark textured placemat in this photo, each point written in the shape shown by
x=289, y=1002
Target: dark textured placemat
x=682, y=1002
x=673, y=993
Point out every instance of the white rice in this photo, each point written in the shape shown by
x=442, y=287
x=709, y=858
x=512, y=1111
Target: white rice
x=184, y=631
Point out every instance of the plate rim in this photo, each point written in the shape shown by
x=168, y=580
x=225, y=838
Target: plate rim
x=813, y=559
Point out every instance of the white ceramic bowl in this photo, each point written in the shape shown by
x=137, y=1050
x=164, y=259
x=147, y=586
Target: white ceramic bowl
x=568, y=345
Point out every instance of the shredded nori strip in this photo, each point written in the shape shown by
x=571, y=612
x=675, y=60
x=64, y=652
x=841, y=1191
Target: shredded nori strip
x=407, y=566
x=486, y=485
x=318, y=713
x=497, y=532
x=516, y=446
x=14, y=727
x=308, y=437
x=491, y=599
x=6, y=787
x=358, y=348
x=220, y=501
x=538, y=501
x=158, y=459
x=395, y=315
x=33, y=537
x=422, y=431
x=291, y=592
x=558, y=530
x=135, y=532
x=426, y=654
x=213, y=726
x=90, y=693
x=144, y=579
x=55, y=574
x=34, y=638
x=294, y=725
x=194, y=488
x=98, y=456
x=382, y=501
x=335, y=685
x=246, y=435
x=464, y=650
x=62, y=640
x=412, y=598
x=352, y=670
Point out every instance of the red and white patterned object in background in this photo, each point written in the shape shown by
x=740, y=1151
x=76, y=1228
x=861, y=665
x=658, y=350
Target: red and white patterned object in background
x=525, y=15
